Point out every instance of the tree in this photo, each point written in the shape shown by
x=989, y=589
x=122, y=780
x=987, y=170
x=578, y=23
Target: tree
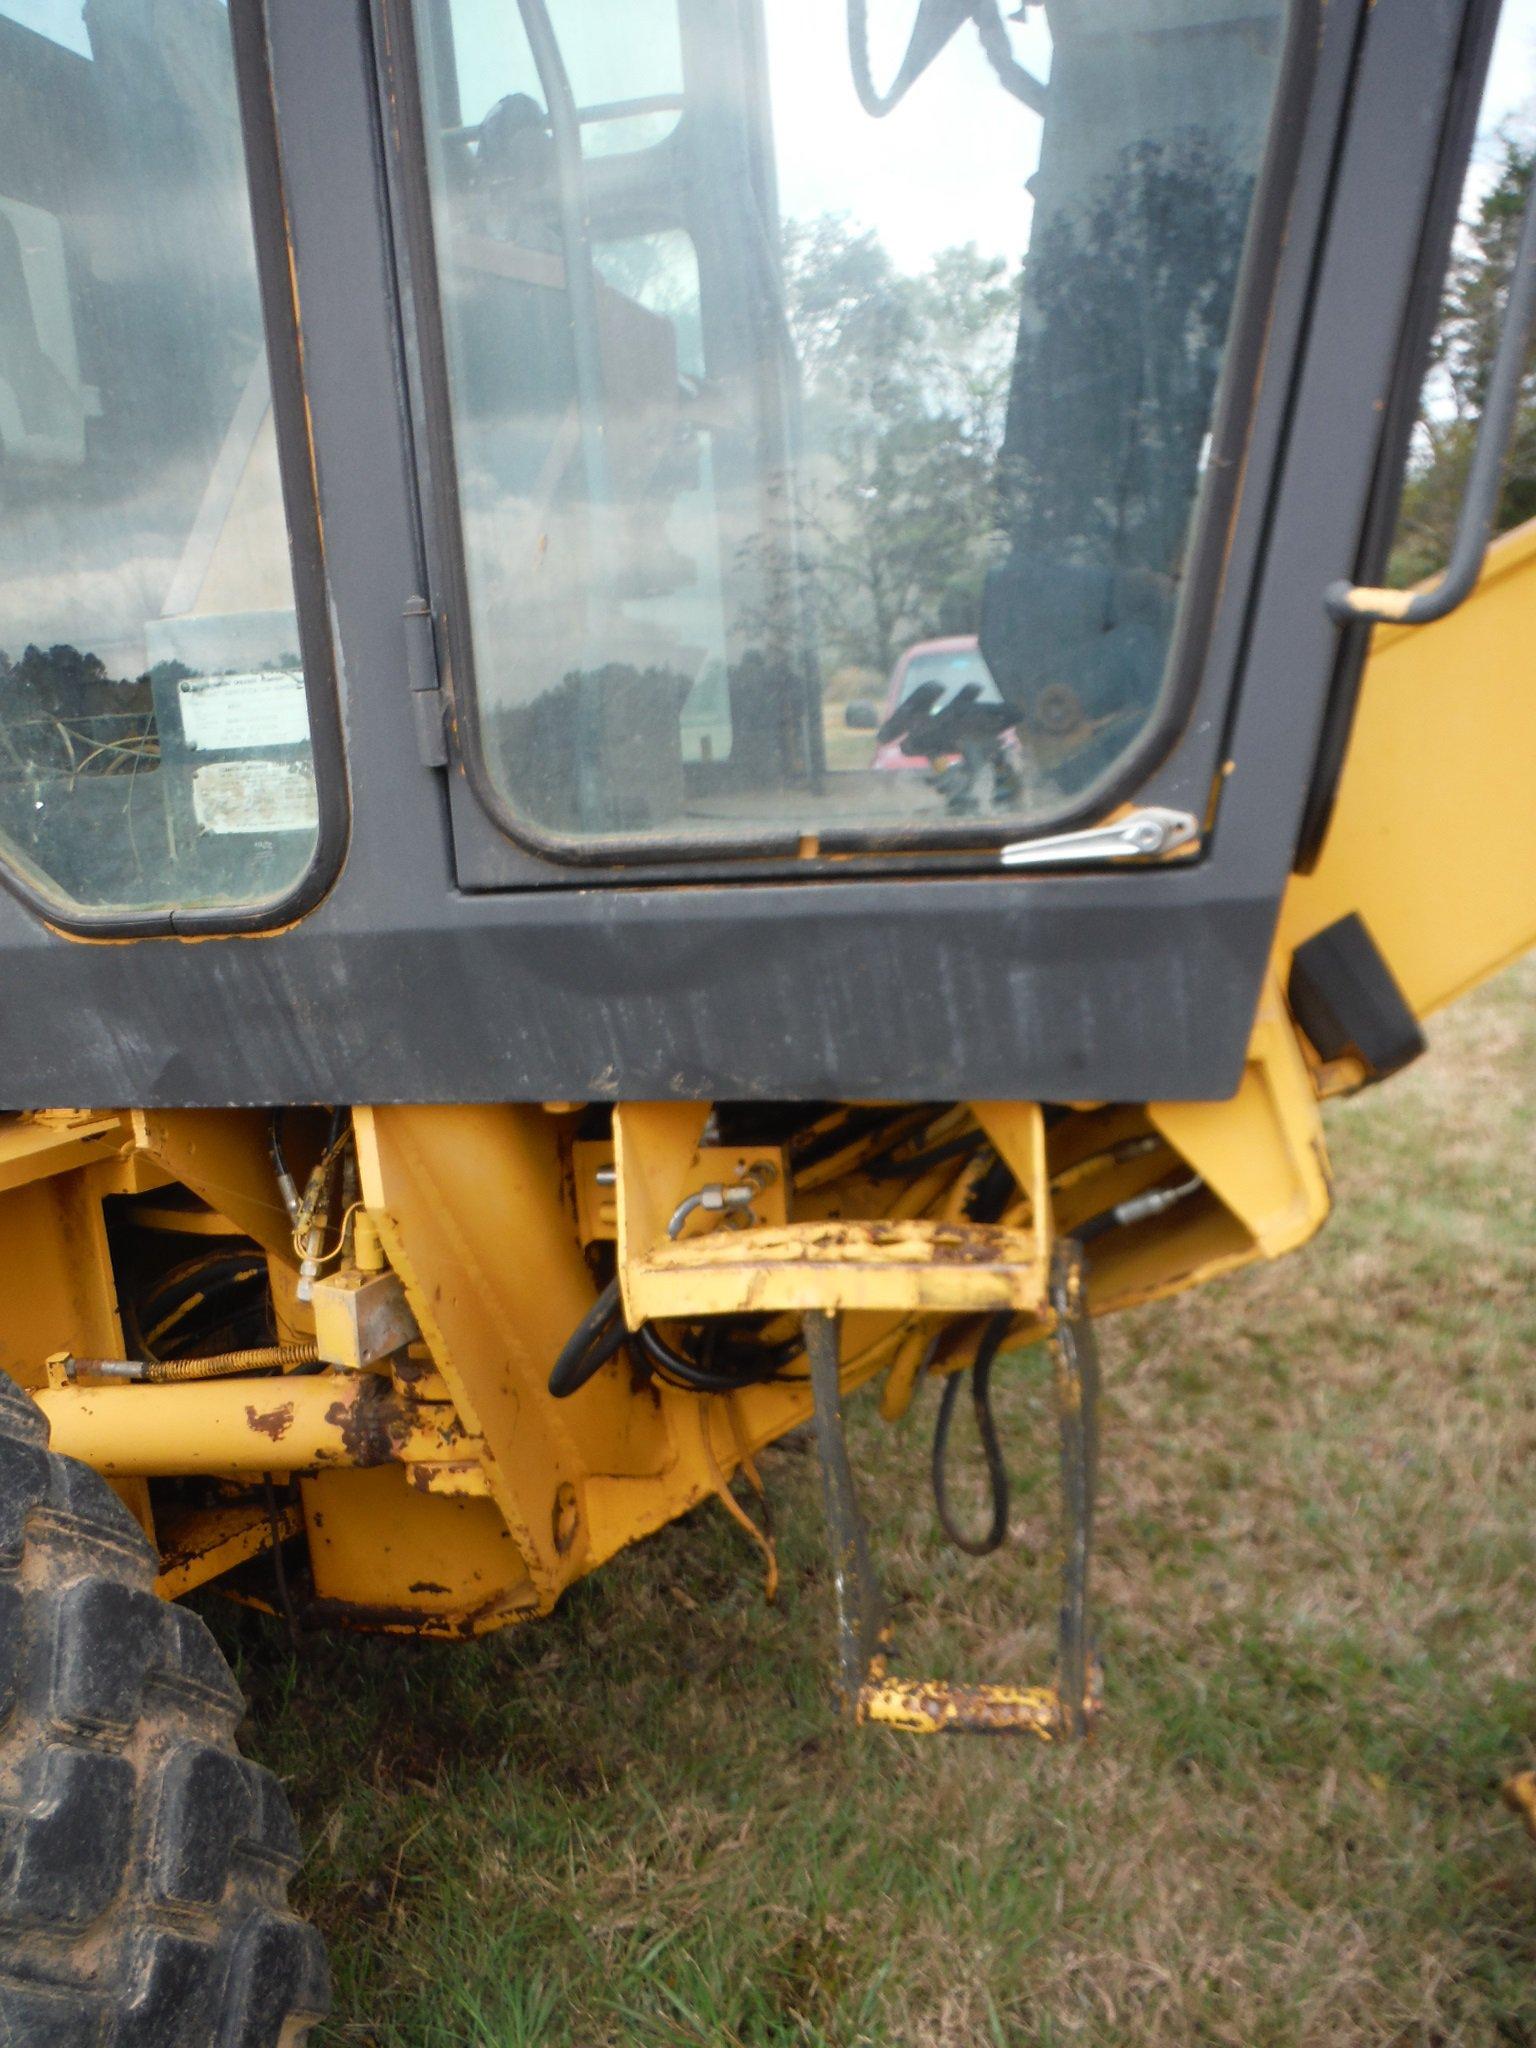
x=905, y=382
x=1128, y=296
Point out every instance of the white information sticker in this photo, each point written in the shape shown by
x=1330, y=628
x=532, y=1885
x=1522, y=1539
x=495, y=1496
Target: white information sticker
x=226, y=714
x=255, y=796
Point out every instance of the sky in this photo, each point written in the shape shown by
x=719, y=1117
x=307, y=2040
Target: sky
x=61, y=20
x=947, y=166
x=1511, y=88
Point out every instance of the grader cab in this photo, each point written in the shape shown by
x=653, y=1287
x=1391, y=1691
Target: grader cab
x=683, y=727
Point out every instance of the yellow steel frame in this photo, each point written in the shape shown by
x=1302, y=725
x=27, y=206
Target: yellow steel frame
x=451, y=1493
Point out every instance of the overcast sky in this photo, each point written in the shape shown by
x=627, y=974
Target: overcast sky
x=1512, y=78
x=948, y=165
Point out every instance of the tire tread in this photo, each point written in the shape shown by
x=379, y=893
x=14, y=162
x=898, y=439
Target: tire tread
x=144, y=1864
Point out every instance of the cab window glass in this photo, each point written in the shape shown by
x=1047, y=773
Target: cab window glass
x=828, y=450
x=154, y=734
x=1466, y=331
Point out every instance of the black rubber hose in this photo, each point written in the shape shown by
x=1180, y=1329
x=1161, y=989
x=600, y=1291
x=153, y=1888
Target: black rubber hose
x=702, y=1378
x=217, y=1301
x=677, y=1365
x=986, y=1427
x=600, y=1333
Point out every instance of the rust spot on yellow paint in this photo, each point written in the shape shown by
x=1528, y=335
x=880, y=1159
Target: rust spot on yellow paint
x=365, y=1425
x=272, y=1422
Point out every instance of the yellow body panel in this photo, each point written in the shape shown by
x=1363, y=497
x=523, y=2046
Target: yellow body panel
x=57, y=1142
x=390, y=1558
x=1433, y=837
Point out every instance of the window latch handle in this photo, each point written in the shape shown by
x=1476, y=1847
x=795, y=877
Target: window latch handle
x=1479, y=504
x=1139, y=835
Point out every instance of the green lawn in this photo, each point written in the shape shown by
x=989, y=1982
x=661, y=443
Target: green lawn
x=640, y=1822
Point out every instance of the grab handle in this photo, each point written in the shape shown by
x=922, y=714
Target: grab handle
x=1474, y=526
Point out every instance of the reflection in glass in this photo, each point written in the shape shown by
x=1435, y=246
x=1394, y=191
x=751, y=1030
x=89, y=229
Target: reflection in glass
x=795, y=347
x=154, y=737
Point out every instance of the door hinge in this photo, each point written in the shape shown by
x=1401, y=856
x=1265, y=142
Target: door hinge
x=1139, y=835
x=425, y=681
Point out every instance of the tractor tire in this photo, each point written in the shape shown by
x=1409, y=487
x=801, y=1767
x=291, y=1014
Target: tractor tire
x=144, y=1865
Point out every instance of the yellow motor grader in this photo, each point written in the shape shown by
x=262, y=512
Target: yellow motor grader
x=684, y=726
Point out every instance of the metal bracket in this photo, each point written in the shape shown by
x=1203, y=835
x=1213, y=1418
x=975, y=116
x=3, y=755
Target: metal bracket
x=1139, y=835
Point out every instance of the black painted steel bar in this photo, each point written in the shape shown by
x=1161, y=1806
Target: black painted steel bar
x=860, y=1609
x=1076, y=1353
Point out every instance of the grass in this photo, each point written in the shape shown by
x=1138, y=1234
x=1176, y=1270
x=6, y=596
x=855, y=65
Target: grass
x=639, y=1822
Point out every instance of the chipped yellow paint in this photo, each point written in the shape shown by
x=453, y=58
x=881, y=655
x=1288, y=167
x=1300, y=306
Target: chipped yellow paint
x=199, y=1544
x=911, y=1265
x=920, y=1706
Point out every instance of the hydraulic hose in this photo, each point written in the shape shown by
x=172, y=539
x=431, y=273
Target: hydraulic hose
x=992, y=1452
x=702, y=1376
x=218, y=1365
x=602, y=1331
x=225, y=1365
x=599, y=1334
x=1137, y=1209
x=936, y=22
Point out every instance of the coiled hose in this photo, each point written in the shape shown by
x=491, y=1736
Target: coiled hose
x=602, y=1331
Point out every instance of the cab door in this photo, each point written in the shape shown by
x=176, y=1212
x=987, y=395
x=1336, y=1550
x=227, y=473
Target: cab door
x=836, y=417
